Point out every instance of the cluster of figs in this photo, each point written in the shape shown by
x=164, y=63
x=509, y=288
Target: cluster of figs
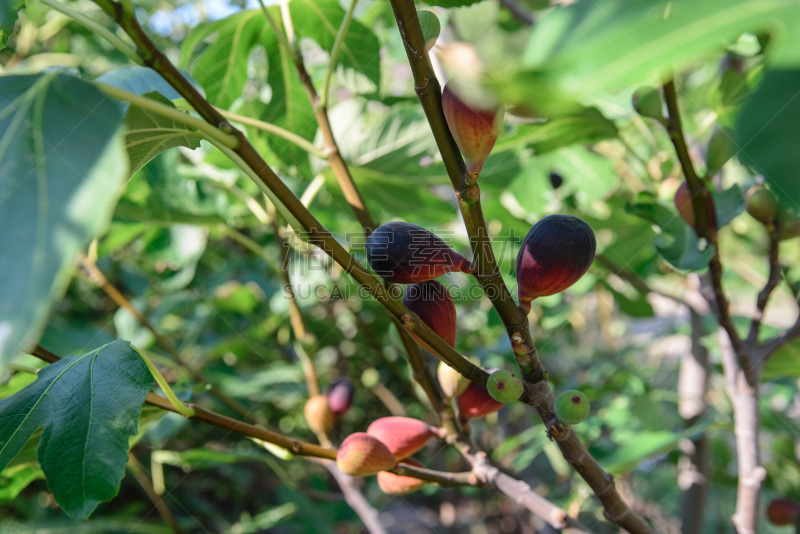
x=556, y=253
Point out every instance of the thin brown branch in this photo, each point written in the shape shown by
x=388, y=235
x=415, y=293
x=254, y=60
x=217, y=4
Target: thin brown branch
x=518, y=11
x=99, y=279
x=355, y=499
x=704, y=226
x=773, y=280
x=635, y=280
x=140, y=474
x=488, y=275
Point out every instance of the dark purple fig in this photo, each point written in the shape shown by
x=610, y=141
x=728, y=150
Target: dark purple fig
x=340, y=396
x=432, y=302
x=406, y=254
x=557, y=251
x=474, y=130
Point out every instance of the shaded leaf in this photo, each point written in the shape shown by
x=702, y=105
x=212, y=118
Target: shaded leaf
x=63, y=164
x=768, y=133
x=8, y=18
x=89, y=406
x=784, y=363
x=585, y=126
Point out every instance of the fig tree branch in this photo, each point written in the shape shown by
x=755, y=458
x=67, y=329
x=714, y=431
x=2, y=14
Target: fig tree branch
x=772, y=282
x=138, y=471
x=488, y=275
x=99, y=279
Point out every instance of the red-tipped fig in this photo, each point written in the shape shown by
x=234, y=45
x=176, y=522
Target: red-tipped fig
x=362, y=455
x=783, y=511
x=475, y=130
x=340, y=396
x=402, y=435
x=452, y=382
x=557, y=251
x=683, y=201
x=432, y=302
x=406, y=254
x=398, y=484
x=476, y=402
x=319, y=417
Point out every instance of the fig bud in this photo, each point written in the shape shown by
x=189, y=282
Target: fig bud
x=761, y=204
x=721, y=148
x=683, y=202
x=647, y=102
x=452, y=382
x=405, y=254
x=782, y=512
x=557, y=251
x=319, y=416
x=399, y=484
x=340, y=396
x=476, y=402
x=788, y=225
x=403, y=436
x=431, y=301
x=474, y=130
x=571, y=407
x=362, y=455
x=504, y=386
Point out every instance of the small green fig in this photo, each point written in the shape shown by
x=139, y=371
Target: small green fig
x=721, y=148
x=647, y=102
x=572, y=407
x=398, y=484
x=761, y=204
x=362, y=455
x=474, y=130
x=504, y=386
x=452, y=382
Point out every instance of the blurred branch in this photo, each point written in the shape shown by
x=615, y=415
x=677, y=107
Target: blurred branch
x=636, y=281
x=98, y=278
x=355, y=499
x=518, y=11
x=488, y=275
x=140, y=474
x=772, y=282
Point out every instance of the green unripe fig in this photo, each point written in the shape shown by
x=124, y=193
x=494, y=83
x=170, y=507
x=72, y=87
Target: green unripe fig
x=761, y=204
x=721, y=148
x=504, y=386
x=647, y=102
x=572, y=407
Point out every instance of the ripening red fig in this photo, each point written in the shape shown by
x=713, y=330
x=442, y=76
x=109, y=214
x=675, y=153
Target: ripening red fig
x=405, y=254
x=399, y=484
x=319, y=417
x=340, y=396
x=474, y=130
x=476, y=402
x=557, y=251
x=452, y=382
x=431, y=301
x=783, y=511
x=403, y=436
x=362, y=455
x=683, y=202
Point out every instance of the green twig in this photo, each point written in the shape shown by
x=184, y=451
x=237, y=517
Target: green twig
x=182, y=409
x=97, y=28
x=211, y=132
x=337, y=48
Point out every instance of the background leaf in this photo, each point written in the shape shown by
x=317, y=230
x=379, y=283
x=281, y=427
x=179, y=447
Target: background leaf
x=63, y=167
x=89, y=406
x=8, y=17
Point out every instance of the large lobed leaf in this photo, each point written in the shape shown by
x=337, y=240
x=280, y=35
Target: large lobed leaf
x=89, y=406
x=64, y=164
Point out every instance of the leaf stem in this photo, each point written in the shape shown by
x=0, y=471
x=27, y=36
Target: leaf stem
x=97, y=28
x=186, y=411
x=335, y=50
x=211, y=132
